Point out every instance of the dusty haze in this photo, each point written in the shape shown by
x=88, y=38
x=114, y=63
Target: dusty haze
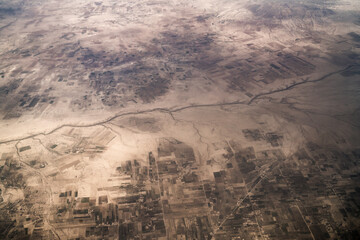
x=187, y=119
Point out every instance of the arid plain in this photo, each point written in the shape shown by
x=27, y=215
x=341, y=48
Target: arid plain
x=187, y=119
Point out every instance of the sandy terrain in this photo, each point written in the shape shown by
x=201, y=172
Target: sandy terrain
x=179, y=119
